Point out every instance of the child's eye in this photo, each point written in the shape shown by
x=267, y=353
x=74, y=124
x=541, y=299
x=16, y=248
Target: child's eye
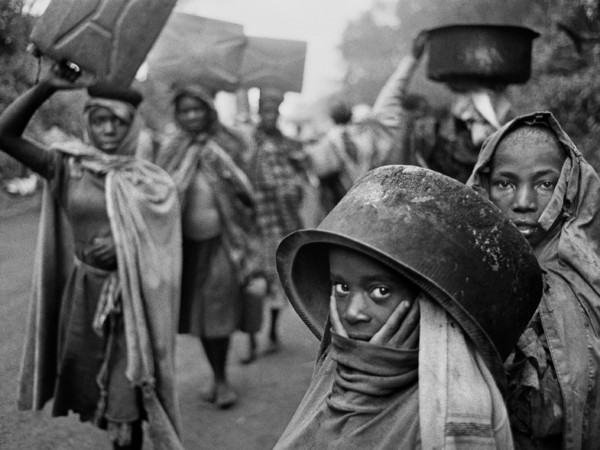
x=380, y=293
x=340, y=289
x=502, y=184
x=547, y=185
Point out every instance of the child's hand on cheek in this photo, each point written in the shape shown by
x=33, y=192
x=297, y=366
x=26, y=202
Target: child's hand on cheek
x=401, y=330
x=336, y=323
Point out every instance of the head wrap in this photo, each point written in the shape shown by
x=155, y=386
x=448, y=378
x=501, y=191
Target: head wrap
x=201, y=93
x=124, y=111
x=570, y=258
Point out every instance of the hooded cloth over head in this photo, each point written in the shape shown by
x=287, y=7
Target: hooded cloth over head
x=570, y=308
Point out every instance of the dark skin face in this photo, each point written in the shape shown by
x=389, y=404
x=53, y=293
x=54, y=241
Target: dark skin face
x=525, y=169
x=107, y=131
x=192, y=114
x=269, y=114
x=366, y=292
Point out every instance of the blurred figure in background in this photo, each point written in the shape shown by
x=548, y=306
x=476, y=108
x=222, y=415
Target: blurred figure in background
x=449, y=143
x=222, y=265
x=279, y=174
x=534, y=173
x=349, y=150
x=101, y=334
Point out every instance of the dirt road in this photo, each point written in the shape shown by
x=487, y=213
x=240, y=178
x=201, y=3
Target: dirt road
x=270, y=389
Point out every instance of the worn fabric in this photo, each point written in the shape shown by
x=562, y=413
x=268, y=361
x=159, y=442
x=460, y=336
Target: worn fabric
x=277, y=170
x=366, y=396
x=125, y=112
x=217, y=267
x=211, y=294
x=460, y=405
x=182, y=156
x=438, y=140
x=142, y=212
x=570, y=308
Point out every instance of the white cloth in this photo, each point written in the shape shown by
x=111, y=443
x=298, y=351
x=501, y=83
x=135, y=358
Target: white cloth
x=460, y=406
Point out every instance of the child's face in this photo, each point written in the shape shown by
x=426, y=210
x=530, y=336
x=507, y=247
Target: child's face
x=525, y=169
x=366, y=292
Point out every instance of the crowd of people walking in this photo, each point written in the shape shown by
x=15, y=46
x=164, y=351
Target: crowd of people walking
x=454, y=281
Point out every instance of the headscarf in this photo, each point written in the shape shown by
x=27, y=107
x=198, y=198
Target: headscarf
x=271, y=95
x=201, y=93
x=181, y=154
x=570, y=259
x=124, y=111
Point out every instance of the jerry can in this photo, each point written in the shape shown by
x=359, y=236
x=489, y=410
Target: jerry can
x=195, y=49
x=274, y=63
x=108, y=38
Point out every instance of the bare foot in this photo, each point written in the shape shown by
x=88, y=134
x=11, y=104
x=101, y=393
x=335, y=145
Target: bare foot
x=249, y=358
x=272, y=346
x=226, y=396
x=209, y=395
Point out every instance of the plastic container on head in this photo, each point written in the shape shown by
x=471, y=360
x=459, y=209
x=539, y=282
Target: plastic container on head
x=107, y=38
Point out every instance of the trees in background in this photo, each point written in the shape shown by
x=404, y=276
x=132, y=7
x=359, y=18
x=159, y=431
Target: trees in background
x=565, y=77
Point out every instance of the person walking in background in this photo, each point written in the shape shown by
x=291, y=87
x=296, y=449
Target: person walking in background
x=101, y=334
x=278, y=171
x=348, y=151
x=222, y=264
x=448, y=143
x=534, y=173
x=411, y=346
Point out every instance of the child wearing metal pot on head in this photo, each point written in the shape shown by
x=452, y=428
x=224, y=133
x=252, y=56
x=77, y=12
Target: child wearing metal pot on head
x=417, y=290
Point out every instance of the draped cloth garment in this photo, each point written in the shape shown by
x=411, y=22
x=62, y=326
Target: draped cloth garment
x=143, y=210
x=570, y=258
x=367, y=396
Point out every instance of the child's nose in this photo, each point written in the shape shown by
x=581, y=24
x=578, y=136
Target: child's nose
x=356, y=309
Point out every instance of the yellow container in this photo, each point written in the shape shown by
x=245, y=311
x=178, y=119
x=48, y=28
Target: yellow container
x=108, y=38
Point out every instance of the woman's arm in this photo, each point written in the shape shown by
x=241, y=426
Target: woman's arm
x=389, y=108
x=17, y=115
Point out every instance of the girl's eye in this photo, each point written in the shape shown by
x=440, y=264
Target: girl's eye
x=340, y=289
x=380, y=293
x=547, y=185
x=502, y=184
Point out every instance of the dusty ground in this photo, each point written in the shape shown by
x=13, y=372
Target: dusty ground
x=270, y=389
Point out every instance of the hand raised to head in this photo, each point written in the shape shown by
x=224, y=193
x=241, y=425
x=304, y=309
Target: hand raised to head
x=401, y=330
x=419, y=43
x=65, y=75
x=334, y=317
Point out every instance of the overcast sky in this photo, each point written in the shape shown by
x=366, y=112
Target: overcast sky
x=319, y=22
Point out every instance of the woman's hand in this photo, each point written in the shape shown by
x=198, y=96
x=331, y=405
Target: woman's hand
x=65, y=75
x=336, y=323
x=401, y=330
x=103, y=252
x=419, y=43
x=257, y=287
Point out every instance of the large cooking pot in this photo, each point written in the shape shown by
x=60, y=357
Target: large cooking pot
x=498, y=54
x=439, y=234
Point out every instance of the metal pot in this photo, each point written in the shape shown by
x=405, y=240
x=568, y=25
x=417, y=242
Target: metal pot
x=496, y=54
x=437, y=233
